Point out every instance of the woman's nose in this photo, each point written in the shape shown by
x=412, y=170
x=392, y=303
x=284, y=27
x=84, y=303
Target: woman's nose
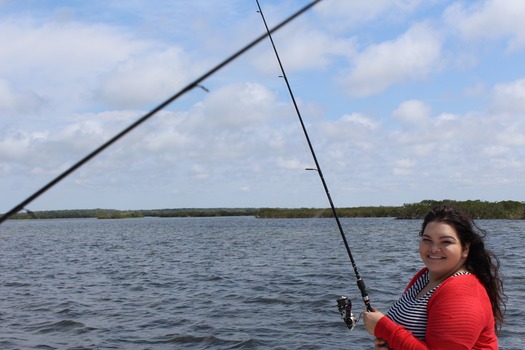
x=434, y=247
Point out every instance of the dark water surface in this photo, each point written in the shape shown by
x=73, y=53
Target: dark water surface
x=214, y=283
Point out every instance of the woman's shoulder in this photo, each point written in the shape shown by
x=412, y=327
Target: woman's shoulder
x=465, y=287
x=463, y=292
x=467, y=280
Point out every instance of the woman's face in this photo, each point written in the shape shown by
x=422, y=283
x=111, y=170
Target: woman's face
x=441, y=250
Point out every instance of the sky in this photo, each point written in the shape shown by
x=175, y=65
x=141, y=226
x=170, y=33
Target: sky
x=403, y=101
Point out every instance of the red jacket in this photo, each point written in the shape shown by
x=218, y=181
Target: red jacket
x=459, y=318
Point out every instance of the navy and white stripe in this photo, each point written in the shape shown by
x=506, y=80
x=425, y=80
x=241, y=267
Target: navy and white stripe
x=410, y=312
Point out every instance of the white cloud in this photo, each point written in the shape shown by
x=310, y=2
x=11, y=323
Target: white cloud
x=168, y=136
x=494, y=151
x=361, y=120
x=412, y=56
x=61, y=62
x=15, y=145
x=200, y=172
x=489, y=19
x=472, y=143
x=245, y=189
x=403, y=167
x=68, y=46
x=510, y=97
x=413, y=113
x=351, y=131
x=291, y=164
x=302, y=50
x=147, y=78
x=236, y=105
x=16, y=101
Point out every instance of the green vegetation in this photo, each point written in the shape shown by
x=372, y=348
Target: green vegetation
x=123, y=214
x=510, y=210
x=356, y=212
x=120, y=215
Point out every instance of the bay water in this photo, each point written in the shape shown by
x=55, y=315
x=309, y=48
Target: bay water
x=215, y=283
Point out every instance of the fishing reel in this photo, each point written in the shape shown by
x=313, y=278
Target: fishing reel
x=345, y=309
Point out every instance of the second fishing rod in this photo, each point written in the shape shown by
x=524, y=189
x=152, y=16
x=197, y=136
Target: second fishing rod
x=344, y=304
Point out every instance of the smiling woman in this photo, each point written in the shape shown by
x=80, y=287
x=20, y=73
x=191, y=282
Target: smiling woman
x=459, y=271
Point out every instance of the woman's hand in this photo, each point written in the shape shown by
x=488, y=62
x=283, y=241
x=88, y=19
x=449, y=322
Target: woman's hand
x=371, y=318
x=381, y=344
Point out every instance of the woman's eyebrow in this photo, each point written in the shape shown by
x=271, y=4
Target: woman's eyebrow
x=440, y=237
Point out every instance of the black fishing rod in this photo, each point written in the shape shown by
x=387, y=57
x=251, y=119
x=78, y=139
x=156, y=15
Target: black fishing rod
x=147, y=116
x=344, y=303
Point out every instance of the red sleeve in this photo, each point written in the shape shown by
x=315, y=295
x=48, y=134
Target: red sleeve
x=397, y=337
x=458, y=312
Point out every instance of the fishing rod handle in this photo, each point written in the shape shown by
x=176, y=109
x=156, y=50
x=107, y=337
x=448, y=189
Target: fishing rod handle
x=364, y=294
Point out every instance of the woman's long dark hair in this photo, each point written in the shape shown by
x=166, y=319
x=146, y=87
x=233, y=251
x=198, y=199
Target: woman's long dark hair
x=480, y=261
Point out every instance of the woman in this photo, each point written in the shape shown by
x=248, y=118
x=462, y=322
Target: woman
x=455, y=302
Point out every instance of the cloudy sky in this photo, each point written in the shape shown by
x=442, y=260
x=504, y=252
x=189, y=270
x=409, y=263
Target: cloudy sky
x=404, y=100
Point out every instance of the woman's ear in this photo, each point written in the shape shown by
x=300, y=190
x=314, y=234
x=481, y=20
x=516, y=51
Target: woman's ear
x=466, y=248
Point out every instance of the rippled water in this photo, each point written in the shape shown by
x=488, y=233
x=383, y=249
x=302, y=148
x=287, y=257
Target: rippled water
x=213, y=283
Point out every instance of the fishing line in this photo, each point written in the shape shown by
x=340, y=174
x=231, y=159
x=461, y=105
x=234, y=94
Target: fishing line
x=343, y=303
x=190, y=86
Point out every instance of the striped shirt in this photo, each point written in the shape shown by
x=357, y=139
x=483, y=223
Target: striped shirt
x=409, y=311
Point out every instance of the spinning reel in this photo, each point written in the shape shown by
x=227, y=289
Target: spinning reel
x=345, y=309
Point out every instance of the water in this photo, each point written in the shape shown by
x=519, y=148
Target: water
x=213, y=283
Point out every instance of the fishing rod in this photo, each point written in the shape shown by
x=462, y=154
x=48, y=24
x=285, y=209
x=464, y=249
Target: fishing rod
x=190, y=86
x=344, y=304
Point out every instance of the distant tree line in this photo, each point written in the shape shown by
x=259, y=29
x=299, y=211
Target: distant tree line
x=476, y=209
x=355, y=212
x=510, y=210
x=122, y=214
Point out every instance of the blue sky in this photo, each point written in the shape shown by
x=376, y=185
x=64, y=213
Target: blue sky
x=403, y=100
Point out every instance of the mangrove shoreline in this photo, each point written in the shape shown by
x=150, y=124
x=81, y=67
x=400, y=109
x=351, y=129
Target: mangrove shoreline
x=508, y=210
